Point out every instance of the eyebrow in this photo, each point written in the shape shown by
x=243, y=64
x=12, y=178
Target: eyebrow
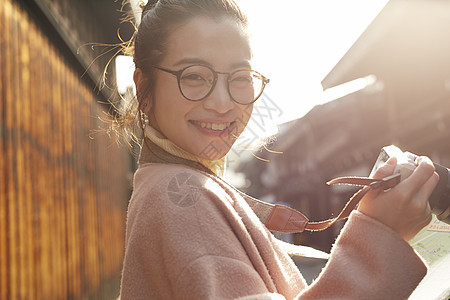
x=195, y=60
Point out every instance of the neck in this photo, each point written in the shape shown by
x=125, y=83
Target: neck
x=157, y=148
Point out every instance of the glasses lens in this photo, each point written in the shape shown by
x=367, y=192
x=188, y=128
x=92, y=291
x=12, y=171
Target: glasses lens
x=246, y=86
x=196, y=82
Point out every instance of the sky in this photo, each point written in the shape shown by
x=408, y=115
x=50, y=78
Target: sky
x=296, y=43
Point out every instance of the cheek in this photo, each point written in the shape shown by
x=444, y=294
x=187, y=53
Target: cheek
x=171, y=113
x=167, y=99
x=246, y=113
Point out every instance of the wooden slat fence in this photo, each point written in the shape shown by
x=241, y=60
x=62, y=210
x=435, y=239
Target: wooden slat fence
x=63, y=195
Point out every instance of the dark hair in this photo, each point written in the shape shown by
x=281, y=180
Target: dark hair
x=160, y=18
x=148, y=46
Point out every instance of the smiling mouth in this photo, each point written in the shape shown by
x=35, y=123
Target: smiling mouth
x=213, y=126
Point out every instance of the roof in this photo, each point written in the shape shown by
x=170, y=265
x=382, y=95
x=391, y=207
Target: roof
x=406, y=44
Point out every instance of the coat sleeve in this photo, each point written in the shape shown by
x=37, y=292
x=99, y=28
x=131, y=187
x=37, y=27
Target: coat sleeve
x=368, y=261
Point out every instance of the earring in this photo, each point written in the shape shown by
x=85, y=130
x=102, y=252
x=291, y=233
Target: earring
x=144, y=119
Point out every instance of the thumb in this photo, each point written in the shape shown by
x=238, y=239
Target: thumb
x=386, y=169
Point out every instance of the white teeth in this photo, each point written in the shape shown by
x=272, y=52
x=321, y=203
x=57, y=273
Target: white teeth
x=213, y=126
x=218, y=126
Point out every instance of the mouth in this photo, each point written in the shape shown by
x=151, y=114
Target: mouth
x=219, y=127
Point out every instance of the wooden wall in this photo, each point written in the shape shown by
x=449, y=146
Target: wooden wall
x=63, y=195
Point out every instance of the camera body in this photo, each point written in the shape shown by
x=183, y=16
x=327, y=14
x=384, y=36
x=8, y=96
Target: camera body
x=440, y=197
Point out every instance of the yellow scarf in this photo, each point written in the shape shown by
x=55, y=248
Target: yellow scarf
x=216, y=166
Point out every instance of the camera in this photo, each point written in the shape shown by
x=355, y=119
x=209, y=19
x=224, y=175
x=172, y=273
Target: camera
x=440, y=197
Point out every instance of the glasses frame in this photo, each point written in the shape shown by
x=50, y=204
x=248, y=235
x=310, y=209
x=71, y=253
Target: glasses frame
x=178, y=73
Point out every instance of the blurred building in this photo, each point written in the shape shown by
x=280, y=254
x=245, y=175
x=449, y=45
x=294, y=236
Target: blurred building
x=64, y=184
x=407, y=49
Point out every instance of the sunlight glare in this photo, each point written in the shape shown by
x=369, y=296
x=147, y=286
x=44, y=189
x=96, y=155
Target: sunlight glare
x=296, y=43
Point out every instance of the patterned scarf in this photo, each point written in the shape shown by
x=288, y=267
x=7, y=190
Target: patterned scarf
x=157, y=148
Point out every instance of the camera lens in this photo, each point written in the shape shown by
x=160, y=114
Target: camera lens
x=440, y=198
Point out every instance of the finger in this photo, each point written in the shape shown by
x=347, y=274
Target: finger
x=428, y=187
x=423, y=158
x=431, y=183
x=421, y=204
x=420, y=175
x=386, y=169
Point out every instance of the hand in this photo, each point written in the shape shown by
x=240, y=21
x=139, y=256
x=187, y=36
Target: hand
x=405, y=207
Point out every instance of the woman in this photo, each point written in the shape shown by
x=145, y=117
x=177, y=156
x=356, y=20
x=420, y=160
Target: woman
x=192, y=236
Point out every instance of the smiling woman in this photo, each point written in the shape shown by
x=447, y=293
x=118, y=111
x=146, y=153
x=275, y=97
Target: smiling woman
x=200, y=113
x=191, y=235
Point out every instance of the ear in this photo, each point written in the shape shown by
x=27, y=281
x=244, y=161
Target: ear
x=143, y=98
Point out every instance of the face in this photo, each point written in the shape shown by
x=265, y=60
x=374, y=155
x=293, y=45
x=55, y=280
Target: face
x=206, y=128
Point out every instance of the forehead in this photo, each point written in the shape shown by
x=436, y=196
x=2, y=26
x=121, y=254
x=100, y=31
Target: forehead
x=222, y=43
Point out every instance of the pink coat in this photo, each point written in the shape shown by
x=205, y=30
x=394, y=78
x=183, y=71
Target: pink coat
x=190, y=236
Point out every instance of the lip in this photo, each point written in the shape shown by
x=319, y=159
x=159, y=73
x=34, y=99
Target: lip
x=214, y=133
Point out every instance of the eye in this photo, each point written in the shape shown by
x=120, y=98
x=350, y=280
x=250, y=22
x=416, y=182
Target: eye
x=242, y=79
x=193, y=77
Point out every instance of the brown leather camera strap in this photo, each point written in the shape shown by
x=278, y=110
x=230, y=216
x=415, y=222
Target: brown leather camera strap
x=276, y=217
x=285, y=219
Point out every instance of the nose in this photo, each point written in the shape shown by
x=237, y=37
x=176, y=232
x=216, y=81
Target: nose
x=219, y=100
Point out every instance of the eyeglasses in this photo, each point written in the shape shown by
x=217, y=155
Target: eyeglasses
x=196, y=82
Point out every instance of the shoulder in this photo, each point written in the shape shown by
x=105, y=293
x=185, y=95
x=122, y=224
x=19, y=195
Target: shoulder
x=156, y=173
x=174, y=191
x=187, y=228
x=156, y=179
x=184, y=210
